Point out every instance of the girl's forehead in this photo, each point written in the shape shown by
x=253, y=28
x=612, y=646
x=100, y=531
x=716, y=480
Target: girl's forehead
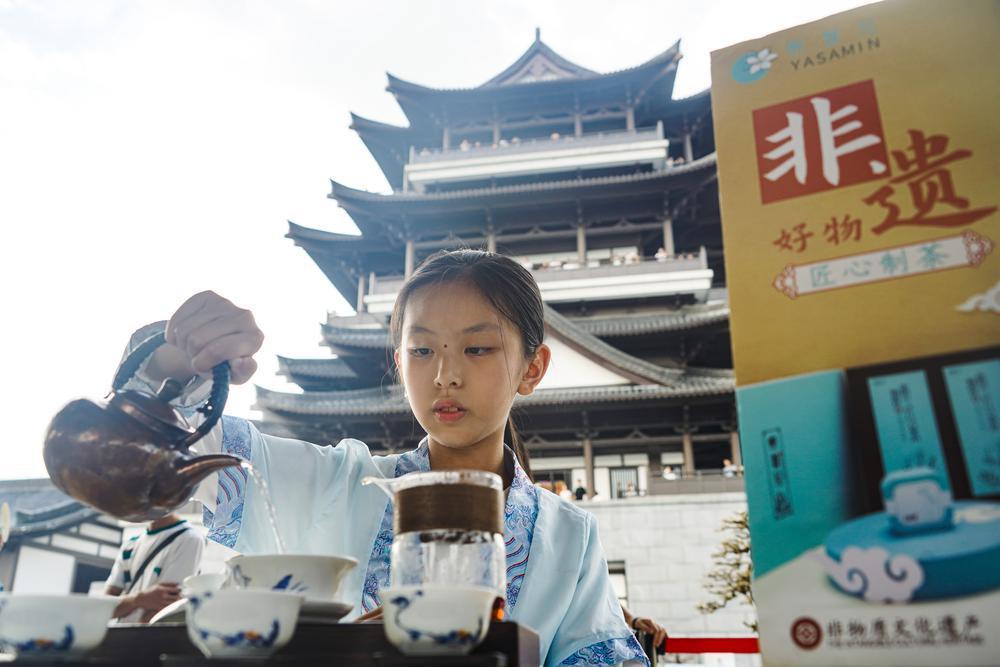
x=448, y=306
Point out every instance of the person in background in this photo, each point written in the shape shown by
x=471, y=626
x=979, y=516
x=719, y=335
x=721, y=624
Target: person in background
x=669, y=473
x=580, y=492
x=150, y=567
x=728, y=469
x=563, y=491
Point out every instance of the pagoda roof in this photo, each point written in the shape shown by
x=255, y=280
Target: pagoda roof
x=331, y=369
x=320, y=374
x=601, y=326
x=389, y=145
x=373, y=206
x=37, y=506
x=344, y=193
x=538, y=72
x=539, y=63
x=638, y=370
x=366, y=339
x=687, y=317
x=390, y=400
x=342, y=257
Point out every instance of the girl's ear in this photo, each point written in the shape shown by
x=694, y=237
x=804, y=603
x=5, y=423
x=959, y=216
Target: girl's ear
x=395, y=357
x=535, y=371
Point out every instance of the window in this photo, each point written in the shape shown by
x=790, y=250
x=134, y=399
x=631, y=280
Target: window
x=549, y=479
x=616, y=570
x=624, y=482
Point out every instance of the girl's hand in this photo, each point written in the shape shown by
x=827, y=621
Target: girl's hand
x=205, y=331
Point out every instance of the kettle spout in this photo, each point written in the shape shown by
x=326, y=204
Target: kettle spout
x=197, y=469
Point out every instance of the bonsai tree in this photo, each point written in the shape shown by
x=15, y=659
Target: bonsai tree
x=730, y=576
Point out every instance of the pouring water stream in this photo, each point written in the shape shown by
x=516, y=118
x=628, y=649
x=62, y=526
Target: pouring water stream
x=265, y=494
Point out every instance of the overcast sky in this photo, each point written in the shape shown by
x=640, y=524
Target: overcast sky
x=153, y=149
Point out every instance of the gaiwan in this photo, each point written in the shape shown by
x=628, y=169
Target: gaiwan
x=924, y=545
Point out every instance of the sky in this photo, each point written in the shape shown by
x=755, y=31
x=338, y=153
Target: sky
x=150, y=150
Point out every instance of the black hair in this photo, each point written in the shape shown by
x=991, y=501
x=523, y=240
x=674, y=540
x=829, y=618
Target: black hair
x=508, y=286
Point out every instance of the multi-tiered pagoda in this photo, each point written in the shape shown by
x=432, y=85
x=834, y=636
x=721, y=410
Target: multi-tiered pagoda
x=604, y=186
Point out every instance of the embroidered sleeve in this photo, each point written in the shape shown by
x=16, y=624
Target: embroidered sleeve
x=520, y=513
x=609, y=652
x=224, y=523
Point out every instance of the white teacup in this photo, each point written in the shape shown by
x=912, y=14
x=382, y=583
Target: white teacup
x=316, y=577
x=201, y=583
x=53, y=626
x=233, y=623
x=437, y=619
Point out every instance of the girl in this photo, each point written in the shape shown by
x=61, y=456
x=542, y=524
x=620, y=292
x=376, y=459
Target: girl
x=467, y=330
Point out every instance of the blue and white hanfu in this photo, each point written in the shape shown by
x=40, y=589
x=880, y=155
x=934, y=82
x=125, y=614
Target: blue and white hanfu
x=557, y=577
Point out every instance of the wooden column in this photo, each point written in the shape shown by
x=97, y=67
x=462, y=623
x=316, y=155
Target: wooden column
x=668, y=237
x=734, y=447
x=446, y=139
x=362, y=288
x=688, y=151
x=630, y=118
x=688, y=446
x=654, y=469
x=577, y=125
x=491, y=241
x=496, y=132
x=588, y=465
x=581, y=244
x=410, y=259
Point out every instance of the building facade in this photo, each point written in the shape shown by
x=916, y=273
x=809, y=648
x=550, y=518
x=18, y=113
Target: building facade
x=604, y=186
x=56, y=544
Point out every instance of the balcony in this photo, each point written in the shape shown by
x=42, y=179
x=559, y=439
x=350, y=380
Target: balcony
x=598, y=280
x=536, y=156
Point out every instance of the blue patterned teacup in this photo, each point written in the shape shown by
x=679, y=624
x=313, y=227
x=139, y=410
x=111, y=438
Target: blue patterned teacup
x=316, y=577
x=234, y=623
x=53, y=626
x=437, y=619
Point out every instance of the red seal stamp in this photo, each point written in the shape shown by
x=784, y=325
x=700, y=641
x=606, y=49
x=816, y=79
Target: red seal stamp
x=806, y=633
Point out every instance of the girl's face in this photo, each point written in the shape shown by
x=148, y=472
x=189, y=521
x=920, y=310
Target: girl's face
x=462, y=365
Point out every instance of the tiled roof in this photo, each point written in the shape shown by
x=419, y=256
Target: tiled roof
x=390, y=400
x=37, y=506
x=343, y=193
x=634, y=325
x=670, y=56
x=333, y=369
x=372, y=339
x=609, y=355
x=688, y=317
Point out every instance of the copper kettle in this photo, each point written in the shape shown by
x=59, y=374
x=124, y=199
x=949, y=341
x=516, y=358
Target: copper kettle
x=128, y=456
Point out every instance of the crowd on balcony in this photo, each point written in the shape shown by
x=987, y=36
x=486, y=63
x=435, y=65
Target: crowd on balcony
x=466, y=145
x=615, y=259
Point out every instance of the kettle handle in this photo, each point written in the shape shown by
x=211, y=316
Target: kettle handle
x=212, y=409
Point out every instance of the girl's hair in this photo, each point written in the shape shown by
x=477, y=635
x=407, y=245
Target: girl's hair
x=509, y=288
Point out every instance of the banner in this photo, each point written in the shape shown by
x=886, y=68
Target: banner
x=859, y=179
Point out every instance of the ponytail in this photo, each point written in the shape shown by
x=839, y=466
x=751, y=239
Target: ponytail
x=511, y=437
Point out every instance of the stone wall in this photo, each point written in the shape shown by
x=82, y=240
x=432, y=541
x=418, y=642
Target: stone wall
x=666, y=543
